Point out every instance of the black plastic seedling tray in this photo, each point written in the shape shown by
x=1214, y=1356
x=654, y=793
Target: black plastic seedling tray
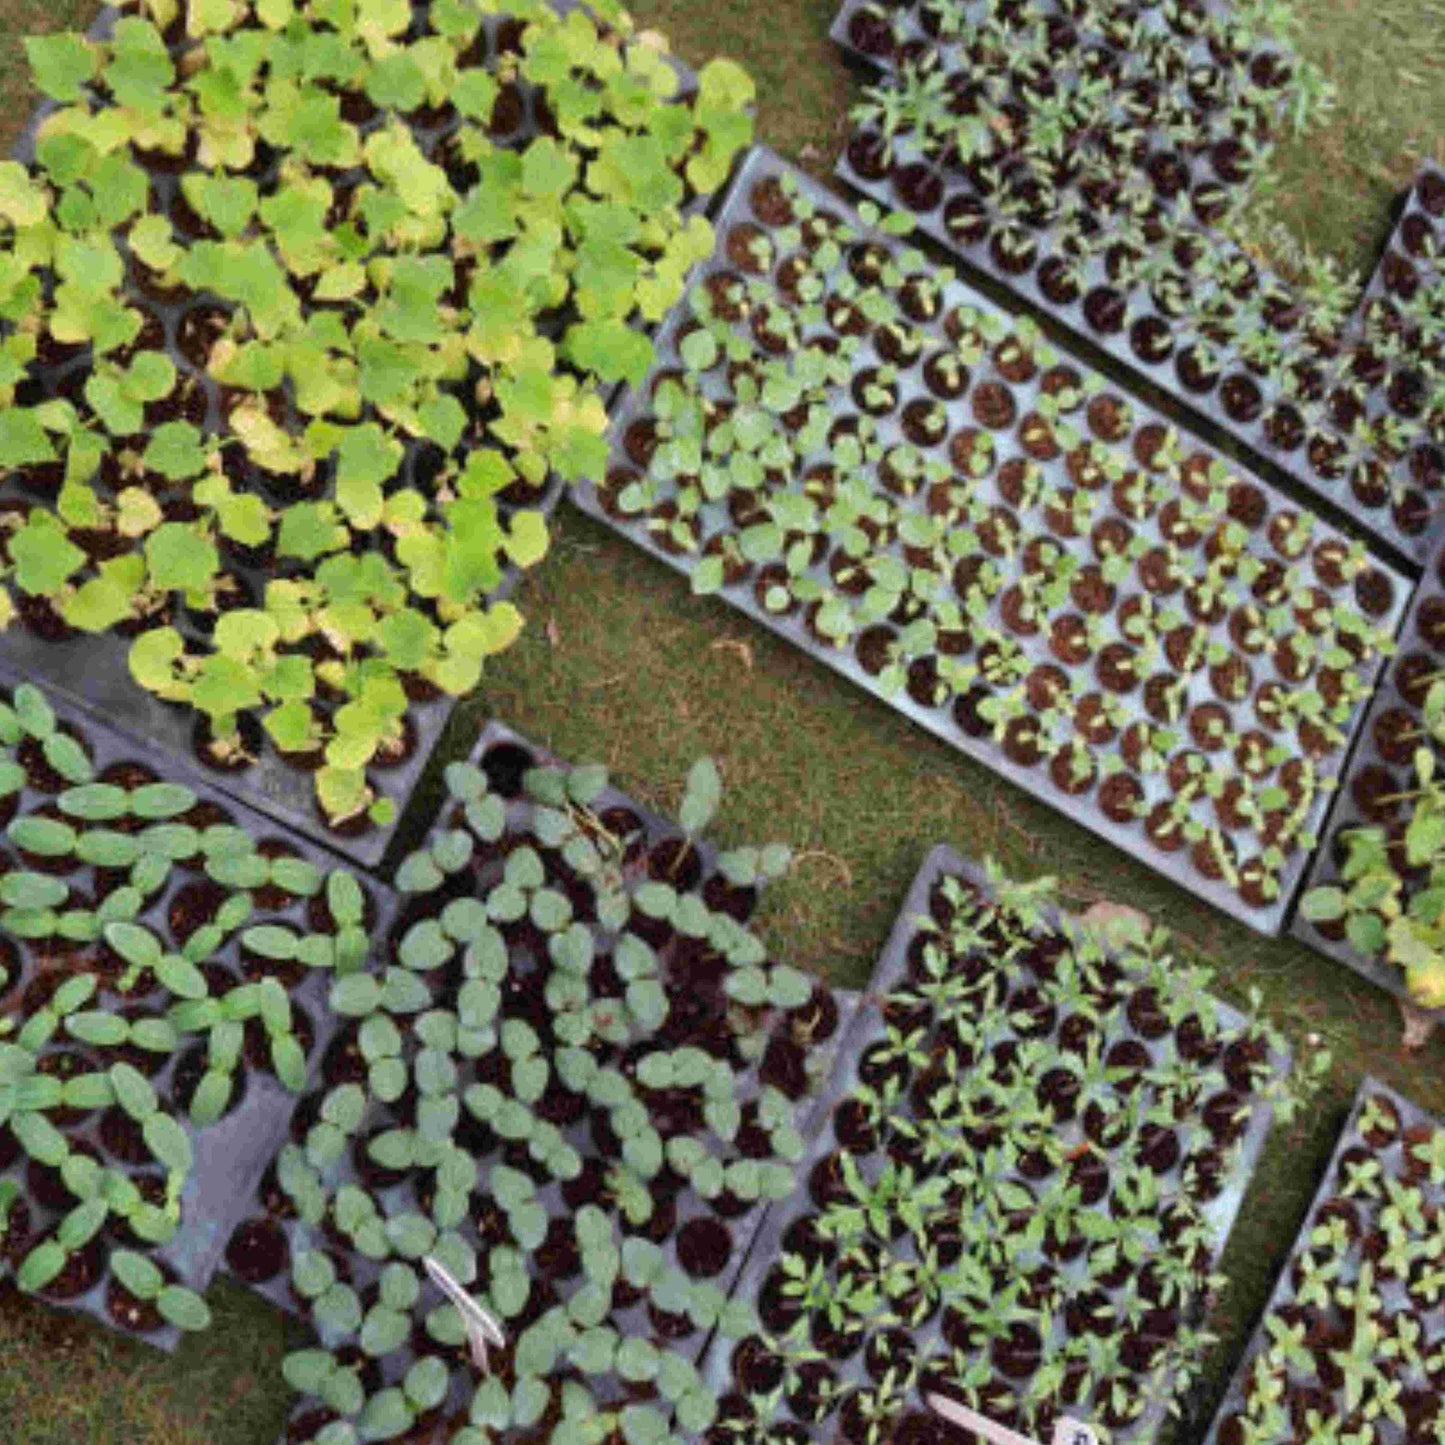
x=867, y=1027
x=656, y=829
x=1379, y=766
x=1406, y=528
x=1413, y=262
x=1378, y=520
x=231, y=1154
x=1411, y=1116
x=265, y=1211
x=1414, y=256
x=1175, y=865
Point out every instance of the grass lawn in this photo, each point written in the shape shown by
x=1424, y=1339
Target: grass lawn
x=621, y=664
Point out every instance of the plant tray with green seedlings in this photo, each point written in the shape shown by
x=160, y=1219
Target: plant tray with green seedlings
x=1400, y=329
x=1024, y=1172
x=163, y=977
x=1352, y=1343
x=575, y=1086
x=1079, y=95
x=1374, y=897
x=305, y=318
x=864, y=455
x=1404, y=297
x=1113, y=197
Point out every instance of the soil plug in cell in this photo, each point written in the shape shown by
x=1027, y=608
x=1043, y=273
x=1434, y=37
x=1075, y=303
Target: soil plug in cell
x=1352, y=1337
x=166, y=963
x=1025, y=1170
x=574, y=1087
x=864, y=455
x=275, y=460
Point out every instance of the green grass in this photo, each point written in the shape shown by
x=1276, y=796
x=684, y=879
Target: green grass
x=621, y=664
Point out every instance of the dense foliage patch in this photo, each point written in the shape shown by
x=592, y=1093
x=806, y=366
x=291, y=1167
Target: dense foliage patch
x=1352, y=1347
x=1019, y=1191
x=1377, y=894
x=1099, y=157
x=572, y=1087
x=153, y=951
x=301, y=306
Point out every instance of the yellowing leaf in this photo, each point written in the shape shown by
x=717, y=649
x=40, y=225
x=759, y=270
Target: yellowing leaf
x=107, y=129
x=286, y=604
x=205, y=17
x=224, y=146
x=526, y=541
x=423, y=554
x=404, y=511
x=342, y=792
x=150, y=238
x=246, y=632
x=1426, y=982
x=153, y=661
x=137, y=512
x=79, y=505
x=351, y=751
x=268, y=444
x=455, y=674
x=22, y=201
x=97, y=605
x=378, y=20
x=244, y=519
x=347, y=623
x=164, y=133
x=274, y=14
x=484, y=632
x=341, y=282
x=163, y=12
x=395, y=158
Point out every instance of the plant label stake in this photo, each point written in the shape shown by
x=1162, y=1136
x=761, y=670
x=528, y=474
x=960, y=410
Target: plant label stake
x=482, y=1328
x=1066, y=1431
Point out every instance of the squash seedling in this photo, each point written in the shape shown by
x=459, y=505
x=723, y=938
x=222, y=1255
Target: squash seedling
x=356, y=324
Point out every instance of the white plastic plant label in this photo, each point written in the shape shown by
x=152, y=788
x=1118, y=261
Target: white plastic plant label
x=481, y=1326
x=1066, y=1431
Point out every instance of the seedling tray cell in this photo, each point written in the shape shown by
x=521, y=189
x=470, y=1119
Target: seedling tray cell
x=1384, y=1131
x=274, y=1237
x=230, y=1154
x=782, y=1403
x=1380, y=767
x=681, y=525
